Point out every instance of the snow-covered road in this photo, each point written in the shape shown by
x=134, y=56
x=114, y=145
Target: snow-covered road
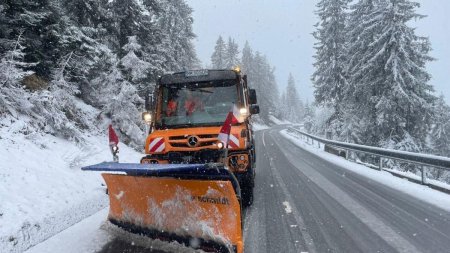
x=309, y=202
x=305, y=202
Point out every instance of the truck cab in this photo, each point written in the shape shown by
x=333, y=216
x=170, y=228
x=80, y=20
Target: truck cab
x=186, y=112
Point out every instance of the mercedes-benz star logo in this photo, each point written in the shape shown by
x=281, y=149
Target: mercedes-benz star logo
x=192, y=141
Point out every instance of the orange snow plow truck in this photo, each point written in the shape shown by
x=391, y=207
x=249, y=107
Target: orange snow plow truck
x=189, y=187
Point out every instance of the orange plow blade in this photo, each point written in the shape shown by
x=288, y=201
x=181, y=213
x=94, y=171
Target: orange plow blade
x=196, y=205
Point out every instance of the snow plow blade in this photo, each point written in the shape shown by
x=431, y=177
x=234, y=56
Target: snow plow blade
x=197, y=205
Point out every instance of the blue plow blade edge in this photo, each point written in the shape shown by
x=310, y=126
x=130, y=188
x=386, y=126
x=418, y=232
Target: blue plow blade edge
x=183, y=171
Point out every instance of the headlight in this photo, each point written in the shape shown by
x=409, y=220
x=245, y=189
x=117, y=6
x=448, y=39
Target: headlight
x=243, y=111
x=220, y=145
x=147, y=117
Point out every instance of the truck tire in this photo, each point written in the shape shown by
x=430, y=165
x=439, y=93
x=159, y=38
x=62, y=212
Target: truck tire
x=247, y=189
x=247, y=195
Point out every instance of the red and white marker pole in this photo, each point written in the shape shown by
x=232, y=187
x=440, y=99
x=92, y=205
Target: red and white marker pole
x=225, y=132
x=113, y=143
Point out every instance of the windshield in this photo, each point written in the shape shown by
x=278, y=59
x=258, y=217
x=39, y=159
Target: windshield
x=204, y=103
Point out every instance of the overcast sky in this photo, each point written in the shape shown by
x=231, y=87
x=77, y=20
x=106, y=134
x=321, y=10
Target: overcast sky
x=282, y=31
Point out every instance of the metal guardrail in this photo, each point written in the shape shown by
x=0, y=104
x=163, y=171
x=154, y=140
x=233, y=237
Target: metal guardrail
x=410, y=157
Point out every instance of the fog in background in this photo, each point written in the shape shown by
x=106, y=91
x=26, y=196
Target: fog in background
x=282, y=31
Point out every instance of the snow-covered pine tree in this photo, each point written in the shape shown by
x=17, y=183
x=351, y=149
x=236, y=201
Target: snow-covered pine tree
x=261, y=77
x=134, y=69
x=124, y=113
x=263, y=81
x=359, y=124
x=140, y=19
x=354, y=126
x=329, y=77
x=393, y=71
x=176, y=26
x=218, y=56
x=5, y=42
x=57, y=109
x=119, y=100
x=102, y=85
x=84, y=35
x=294, y=104
x=440, y=134
x=50, y=110
x=283, y=106
x=258, y=75
x=95, y=36
x=257, y=82
x=128, y=18
x=231, y=58
x=88, y=14
x=358, y=36
x=309, y=116
x=38, y=24
x=247, y=59
x=13, y=97
x=272, y=89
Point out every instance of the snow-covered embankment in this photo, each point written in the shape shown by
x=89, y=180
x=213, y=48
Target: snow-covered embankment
x=42, y=189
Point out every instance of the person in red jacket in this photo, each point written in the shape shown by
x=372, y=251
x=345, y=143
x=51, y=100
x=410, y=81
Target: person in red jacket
x=172, y=104
x=192, y=104
x=171, y=107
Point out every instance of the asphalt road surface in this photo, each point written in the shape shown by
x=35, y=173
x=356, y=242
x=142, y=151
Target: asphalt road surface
x=305, y=204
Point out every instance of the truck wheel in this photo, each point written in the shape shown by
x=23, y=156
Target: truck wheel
x=247, y=195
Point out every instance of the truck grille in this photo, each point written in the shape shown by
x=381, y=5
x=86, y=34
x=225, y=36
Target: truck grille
x=181, y=141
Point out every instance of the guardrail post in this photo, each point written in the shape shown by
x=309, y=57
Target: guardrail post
x=318, y=144
x=424, y=175
x=380, y=164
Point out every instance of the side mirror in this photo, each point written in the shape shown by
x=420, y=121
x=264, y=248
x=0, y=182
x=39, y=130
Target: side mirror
x=147, y=116
x=254, y=109
x=252, y=97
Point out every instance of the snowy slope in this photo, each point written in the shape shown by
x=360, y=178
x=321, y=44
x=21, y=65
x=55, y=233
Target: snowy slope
x=42, y=189
x=277, y=121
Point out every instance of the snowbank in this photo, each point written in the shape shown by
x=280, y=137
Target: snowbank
x=421, y=192
x=42, y=189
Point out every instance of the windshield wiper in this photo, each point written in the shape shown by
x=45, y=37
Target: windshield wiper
x=206, y=91
x=177, y=125
x=200, y=90
x=165, y=126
